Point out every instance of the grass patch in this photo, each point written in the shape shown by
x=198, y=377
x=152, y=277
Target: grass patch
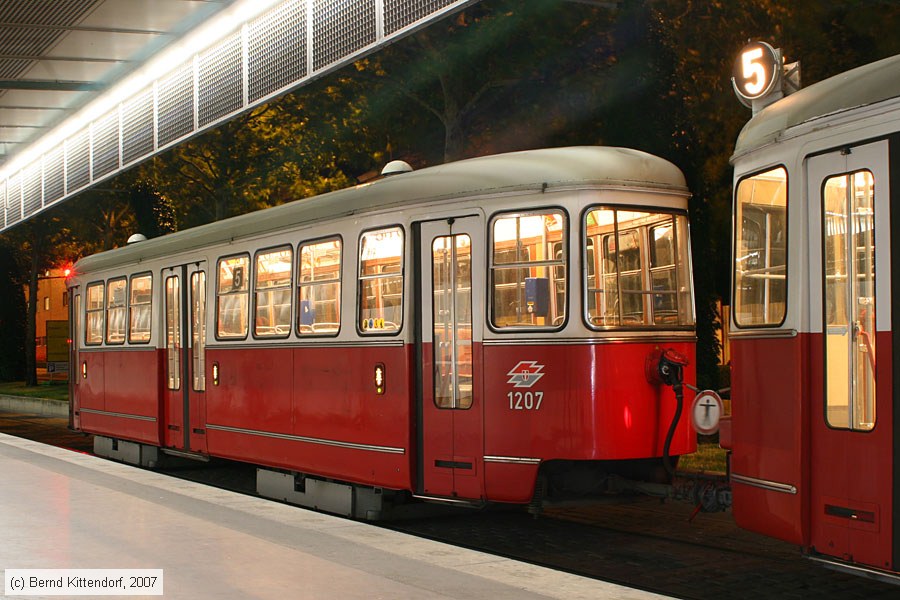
x=708, y=457
x=52, y=391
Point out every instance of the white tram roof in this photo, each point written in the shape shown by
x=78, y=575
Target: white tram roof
x=863, y=86
x=586, y=167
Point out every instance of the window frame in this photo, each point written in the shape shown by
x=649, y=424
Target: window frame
x=102, y=310
x=176, y=350
x=149, y=304
x=403, y=282
x=218, y=264
x=675, y=213
x=124, y=307
x=198, y=346
x=852, y=399
x=254, y=291
x=567, y=264
x=298, y=284
x=736, y=226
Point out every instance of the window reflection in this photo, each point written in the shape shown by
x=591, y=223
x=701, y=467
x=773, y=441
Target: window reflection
x=528, y=270
x=642, y=275
x=760, y=262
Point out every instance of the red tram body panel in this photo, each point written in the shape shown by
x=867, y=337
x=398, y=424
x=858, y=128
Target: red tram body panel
x=756, y=364
x=814, y=457
x=475, y=332
x=269, y=398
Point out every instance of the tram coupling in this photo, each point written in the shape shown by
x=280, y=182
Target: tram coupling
x=707, y=492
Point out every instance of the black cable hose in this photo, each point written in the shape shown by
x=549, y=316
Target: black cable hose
x=679, y=401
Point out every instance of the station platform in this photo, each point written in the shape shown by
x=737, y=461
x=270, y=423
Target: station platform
x=61, y=509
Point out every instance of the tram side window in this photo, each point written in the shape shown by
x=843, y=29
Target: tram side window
x=93, y=333
x=381, y=281
x=319, y=288
x=637, y=269
x=760, y=262
x=272, y=293
x=115, y=311
x=528, y=270
x=232, y=297
x=140, y=308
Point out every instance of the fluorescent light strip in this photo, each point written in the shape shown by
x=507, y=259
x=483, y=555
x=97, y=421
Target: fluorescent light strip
x=393, y=19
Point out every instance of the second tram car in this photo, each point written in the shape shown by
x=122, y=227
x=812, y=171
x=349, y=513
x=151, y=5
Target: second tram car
x=815, y=457
x=472, y=332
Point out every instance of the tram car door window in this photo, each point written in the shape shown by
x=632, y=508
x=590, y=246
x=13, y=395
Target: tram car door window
x=849, y=265
x=527, y=262
x=452, y=314
x=381, y=281
x=319, y=288
x=232, y=297
x=760, y=292
x=198, y=329
x=94, y=307
x=173, y=333
x=272, y=293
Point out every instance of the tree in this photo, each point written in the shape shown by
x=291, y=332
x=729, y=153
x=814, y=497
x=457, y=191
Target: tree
x=499, y=76
x=12, y=310
x=44, y=242
x=154, y=214
x=297, y=146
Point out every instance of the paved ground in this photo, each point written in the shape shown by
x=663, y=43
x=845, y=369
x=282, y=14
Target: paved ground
x=640, y=543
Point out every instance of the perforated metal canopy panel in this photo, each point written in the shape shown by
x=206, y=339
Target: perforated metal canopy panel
x=58, y=55
x=292, y=43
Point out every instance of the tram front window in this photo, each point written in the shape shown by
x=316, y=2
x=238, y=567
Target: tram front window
x=760, y=262
x=641, y=275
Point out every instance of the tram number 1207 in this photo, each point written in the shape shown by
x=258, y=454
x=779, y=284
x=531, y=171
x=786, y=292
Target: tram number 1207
x=525, y=401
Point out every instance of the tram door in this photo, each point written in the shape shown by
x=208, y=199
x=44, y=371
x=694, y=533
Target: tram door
x=851, y=415
x=76, y=330
x=184, y=357
x=451, y=432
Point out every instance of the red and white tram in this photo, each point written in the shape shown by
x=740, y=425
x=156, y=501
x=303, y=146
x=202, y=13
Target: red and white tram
x=815, y=459
x=472, y=332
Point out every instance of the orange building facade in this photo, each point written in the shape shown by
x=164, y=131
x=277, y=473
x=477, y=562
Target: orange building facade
x=52, y=305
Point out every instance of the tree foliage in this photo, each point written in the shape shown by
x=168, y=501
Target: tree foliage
x=298, y=146
x=500, y=76
x=12, y=307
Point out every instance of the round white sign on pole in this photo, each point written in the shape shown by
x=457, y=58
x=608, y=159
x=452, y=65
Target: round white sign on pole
x=706, y=412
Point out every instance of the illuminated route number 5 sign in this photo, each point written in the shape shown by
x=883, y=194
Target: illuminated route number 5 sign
x=756, y=72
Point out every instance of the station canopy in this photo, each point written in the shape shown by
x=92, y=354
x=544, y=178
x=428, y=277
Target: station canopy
x=89, y=88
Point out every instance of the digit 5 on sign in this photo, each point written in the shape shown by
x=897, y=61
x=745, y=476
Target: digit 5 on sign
x=756, y=71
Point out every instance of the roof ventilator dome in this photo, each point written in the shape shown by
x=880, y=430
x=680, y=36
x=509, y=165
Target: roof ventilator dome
x=395, y=167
